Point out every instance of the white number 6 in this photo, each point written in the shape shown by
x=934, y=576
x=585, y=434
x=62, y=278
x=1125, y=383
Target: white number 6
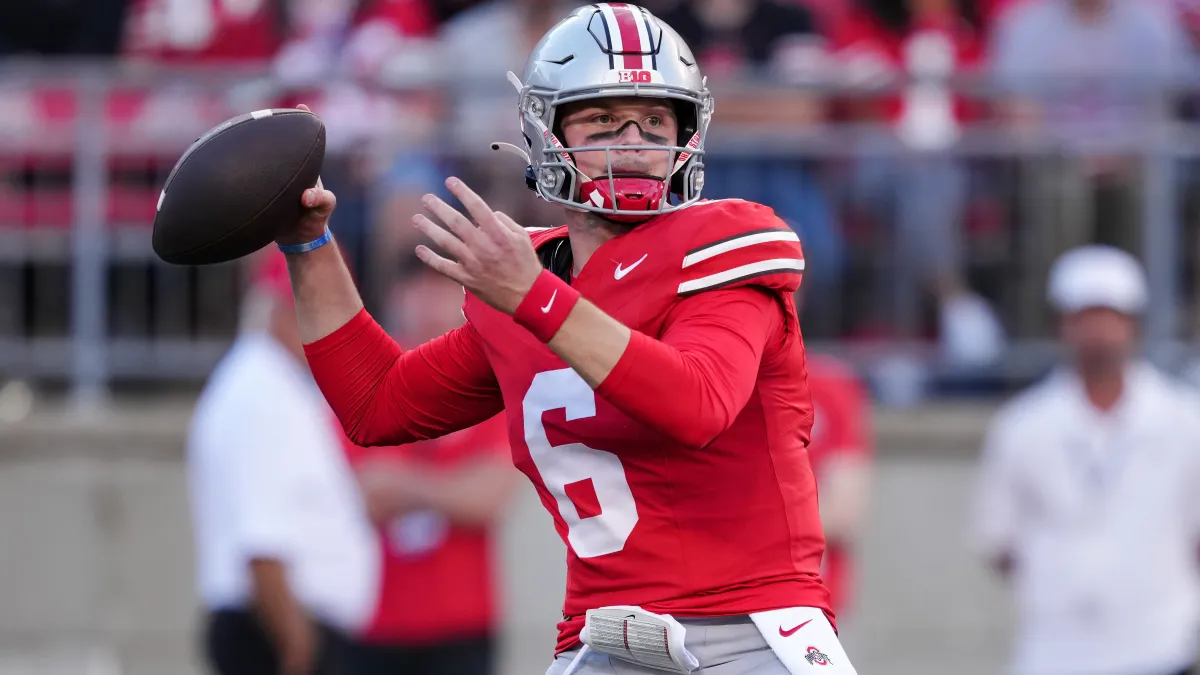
x=562, y=465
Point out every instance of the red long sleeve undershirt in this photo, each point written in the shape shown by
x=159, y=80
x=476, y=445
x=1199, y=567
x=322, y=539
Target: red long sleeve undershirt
x=690, y=385
x=384, y=395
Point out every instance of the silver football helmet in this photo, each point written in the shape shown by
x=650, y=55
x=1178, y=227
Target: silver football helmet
x=610, y=50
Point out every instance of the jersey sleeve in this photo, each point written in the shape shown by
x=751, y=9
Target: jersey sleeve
x=737, y=243
x=691, y=384
x=384, y=395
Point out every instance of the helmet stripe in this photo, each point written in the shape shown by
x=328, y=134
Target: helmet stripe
x=639, y=20
x=632, y=40
x=607, y=34
x=616, y=42
x=650, y=40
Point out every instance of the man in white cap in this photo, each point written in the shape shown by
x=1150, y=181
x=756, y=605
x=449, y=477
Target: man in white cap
x=1089, y=491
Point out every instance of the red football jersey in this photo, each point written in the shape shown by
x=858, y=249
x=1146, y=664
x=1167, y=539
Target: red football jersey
x=841, y=426
x=437, y=576
x=726, y=529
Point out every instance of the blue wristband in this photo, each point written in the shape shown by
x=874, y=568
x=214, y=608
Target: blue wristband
x=310, y=246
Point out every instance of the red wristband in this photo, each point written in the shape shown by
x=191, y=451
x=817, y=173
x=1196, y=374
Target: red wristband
x=546, y=306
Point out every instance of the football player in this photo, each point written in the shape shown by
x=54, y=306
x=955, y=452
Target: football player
x=647, y=353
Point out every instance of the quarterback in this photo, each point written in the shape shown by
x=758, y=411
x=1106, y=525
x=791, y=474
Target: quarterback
x=647, y=353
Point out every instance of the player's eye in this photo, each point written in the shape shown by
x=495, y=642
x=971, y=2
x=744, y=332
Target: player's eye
x=603, y=118
x=654, y=121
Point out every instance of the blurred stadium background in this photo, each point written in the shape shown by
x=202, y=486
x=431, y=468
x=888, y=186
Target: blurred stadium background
x=933, y=176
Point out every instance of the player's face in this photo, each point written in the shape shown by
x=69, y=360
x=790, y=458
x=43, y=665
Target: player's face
x=621, y=121
x=1099, y=338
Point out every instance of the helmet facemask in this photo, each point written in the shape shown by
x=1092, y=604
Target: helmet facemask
x=607, y=51
x=617, y=196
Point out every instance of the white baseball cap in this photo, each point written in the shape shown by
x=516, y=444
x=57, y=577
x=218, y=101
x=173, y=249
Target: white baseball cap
x=1096, y=276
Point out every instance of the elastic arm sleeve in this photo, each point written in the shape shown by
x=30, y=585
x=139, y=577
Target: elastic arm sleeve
x=385, y=396
x=692, y=384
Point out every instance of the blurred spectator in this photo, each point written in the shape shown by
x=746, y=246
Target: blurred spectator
x=286, y=558
x=841, y=452
x=61, y=27
x=510, y=29
x=738, y=40
x=379, y=143
x=205, y=31
x=922, y=45
x=349, y=38
x=1087, y=495
x=1089, y=69
x=444, y=10
x=483, y=103
x=1095, y=75
x=729, y=37
x=1189, y=13
x=434, y=504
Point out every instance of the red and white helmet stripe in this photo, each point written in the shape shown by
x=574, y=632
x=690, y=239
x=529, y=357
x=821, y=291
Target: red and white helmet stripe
x=628, y=36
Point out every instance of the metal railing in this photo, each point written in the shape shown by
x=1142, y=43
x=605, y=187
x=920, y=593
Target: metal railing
x=86, y=302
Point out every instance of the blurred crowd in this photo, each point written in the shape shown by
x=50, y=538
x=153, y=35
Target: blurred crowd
x=903, y=236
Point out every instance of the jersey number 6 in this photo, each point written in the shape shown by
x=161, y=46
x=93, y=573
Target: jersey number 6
x=562, y=465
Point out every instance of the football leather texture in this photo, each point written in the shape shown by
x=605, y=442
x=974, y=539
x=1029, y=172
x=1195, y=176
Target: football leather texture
x=237, y=186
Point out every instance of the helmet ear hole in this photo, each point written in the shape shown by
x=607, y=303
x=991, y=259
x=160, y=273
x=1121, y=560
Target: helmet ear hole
x=685, y=116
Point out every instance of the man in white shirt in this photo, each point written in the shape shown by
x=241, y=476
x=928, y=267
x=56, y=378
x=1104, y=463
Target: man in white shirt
x=286, y=558
x=1089, y=492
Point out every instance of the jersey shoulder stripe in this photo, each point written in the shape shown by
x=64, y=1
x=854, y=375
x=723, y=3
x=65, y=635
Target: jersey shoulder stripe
x=736, y=275
x=740, y=243
x=736, y=241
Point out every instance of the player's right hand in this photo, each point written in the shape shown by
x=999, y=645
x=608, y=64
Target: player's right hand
x=318, y=205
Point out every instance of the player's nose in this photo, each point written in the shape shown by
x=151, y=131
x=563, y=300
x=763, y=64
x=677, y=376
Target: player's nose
x=631, y=134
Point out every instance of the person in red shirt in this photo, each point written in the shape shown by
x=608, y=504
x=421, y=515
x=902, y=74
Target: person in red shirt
x=647, y=354
x=205, y=31
x=924, y=47
x=434, y=503
x=841, y=453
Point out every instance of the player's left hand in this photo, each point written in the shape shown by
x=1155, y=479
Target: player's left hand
x=495, y=256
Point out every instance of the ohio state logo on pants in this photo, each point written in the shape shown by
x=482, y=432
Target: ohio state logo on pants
x=814, y=656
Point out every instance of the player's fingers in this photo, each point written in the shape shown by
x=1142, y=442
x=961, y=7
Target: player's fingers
x=437, y=263
x=457, y=222
x=318, y=200
x=304, y=108
x=509, y=223
x=447, y=241
x=479, y=209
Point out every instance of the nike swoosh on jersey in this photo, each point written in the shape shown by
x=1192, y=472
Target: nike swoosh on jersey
x=619, y=273
x=546, y=309
x=788, y=633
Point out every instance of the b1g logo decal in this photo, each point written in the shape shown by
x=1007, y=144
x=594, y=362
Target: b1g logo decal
x=640, y=76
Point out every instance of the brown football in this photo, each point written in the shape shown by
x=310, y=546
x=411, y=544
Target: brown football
x=237, y=185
